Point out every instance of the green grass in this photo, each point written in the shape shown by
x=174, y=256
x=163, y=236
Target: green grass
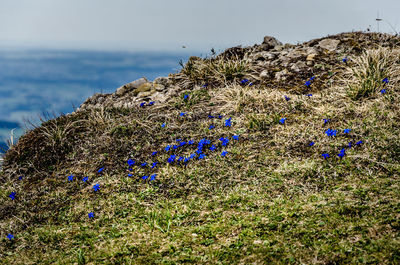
x=271, y=200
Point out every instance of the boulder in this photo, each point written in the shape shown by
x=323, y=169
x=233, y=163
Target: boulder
x=269, y=43
x=328, y=44
x=131, y=86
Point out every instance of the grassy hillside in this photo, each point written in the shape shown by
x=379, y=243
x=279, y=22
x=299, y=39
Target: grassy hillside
x=228, y=171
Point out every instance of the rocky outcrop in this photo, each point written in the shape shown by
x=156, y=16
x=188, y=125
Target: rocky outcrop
x=275, y=64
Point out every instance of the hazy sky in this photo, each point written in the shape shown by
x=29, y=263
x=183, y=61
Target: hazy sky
x=169, y=24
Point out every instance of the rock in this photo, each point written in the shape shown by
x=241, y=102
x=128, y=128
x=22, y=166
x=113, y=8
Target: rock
x=311, y=57
x=282, y=75
x=130, y=86
x=270, y=42
x=159, y=87
x=161, y=80
x=296, y=54
x=264, y=75
x=298, y=67
x=143, y=88
x=328, y=44
x=145, y=94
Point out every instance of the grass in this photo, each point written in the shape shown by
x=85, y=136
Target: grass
x=272, y=199
x=364, y=77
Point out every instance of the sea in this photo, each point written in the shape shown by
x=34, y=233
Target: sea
x=38, y=83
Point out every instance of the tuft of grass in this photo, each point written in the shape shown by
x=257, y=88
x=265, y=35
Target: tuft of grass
x=213, y=71
x=365, y=74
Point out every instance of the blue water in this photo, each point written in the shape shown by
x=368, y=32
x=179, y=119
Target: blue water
x=33, y=82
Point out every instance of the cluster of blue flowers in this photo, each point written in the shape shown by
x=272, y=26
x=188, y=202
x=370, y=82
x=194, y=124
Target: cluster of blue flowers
x=143, y=104
x=246, y=81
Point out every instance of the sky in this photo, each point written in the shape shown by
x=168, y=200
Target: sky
x=167, y=25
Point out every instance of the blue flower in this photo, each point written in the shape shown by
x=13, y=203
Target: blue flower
x=210, y=116
x=153, y=177
x=182, y=114
x=10, y=236
x=342, y=153
x=308, y=83
x=311, y=143
x=287, y=98
x=212, y=148
x=228, y=122
x=344, y=60
x=91, y=215
x=20, y=177
x=151, y=103
x=167, y=148
x=186, y=97
x=171, y=159
x=235, y=137
x=143, y=164
x=174, y=147
x=325, y=156
x=182, y=143
x=244, y=81
x=220, y=116
x=154, y=165
x=154, y=153
x=85, y=179
x=205, y=85
x=142, y=104
x=178, y=140
x=70, y=178
x=12, y=195
x=190, y=142
x=359, y=142
x=96, y=187
x=211, y=127
x=282, y=121
x=163, y=125
x=145, y=177
x=201, y=156
x=180, y=158
x=250, y=84
x=186, y=160
x=130, y=175
x=385, y=81
x=346, y=130
x=330, y=132
x=130, y=162
x=383, y=91
x=350, y=144
x=101, y=169
x=312, y=78
x=326, y=120
x=309, y=95
x=224, y=153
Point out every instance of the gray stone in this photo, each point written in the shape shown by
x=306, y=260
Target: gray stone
x=298, y=67
x=329, y=44
x=270, y=42
x=130, y=86
x=161, y=80
x=282, y=75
